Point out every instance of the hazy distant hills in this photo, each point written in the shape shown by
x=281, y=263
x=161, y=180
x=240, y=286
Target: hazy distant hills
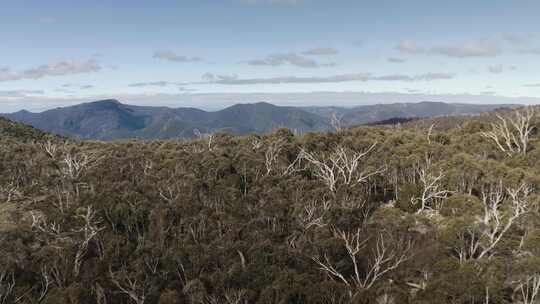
x=382, y=112
x=110, y=119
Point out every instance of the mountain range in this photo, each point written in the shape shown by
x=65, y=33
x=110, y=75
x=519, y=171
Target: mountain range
x=110, y=119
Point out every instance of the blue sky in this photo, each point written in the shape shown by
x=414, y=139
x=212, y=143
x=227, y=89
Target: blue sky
x=213, y=53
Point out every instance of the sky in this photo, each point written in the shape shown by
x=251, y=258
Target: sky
x=214, y=53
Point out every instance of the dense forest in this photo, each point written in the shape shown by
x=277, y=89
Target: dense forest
x=442, y=210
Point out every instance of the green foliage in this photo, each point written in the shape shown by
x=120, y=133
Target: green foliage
x=21, y=132
x=227, y=219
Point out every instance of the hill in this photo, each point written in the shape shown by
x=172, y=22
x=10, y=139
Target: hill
x=370, y=214
x=381, y=112
x=110, y=119
x=21, y=132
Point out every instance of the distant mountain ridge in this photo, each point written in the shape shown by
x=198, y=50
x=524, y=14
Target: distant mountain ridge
x=369, y=114
x=110, y=119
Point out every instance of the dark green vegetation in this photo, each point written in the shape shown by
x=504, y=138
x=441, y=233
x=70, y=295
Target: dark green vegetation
x=109, y=119
x=22, y=132
x=417, y=213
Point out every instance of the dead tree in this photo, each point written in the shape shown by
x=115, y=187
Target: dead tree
x=430, y=130
x=297, y=165
x=100, y=294
x=528, y=288
x=35, y=294
x=7, y=284
x=432, y=190
x=256, y=144
x=207, y=137
x=10, y=191
x=312, y=215
x=235, y=296
x=480, y=240
x=78, y=238
x=383, y=260
x=511, y=134
x=498, y=223
x=51, y=231
x=336, y=121
x=341, y=165
x=88, y=232
x=272, y=153
x=74, y=165
x=135, y=285
x=72, y=168
x=64, y=200
x=50, y=149
x=325, y=172
x=42, y=290
x=170, y=193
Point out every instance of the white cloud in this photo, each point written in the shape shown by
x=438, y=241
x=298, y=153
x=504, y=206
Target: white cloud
x=80, y=86
x=321, y=52
x=409, y=47
x=20, y=93
x=327, y=79
x=62, y=68
x=294, y=79
x=212, y=77
x=280, y=59
x=482, y=48
x=6, y=74
x=420, y=77
x=149, y=84
x=171, y=56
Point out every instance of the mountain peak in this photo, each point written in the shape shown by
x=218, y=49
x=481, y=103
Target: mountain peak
x=255, y=104
x=103, y=105
x=104, y=102
x=264, y=103
x=110, y=119
x=431, y=102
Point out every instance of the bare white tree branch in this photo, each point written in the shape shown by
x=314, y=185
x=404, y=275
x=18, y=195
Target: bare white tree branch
x=384, y=259
x=528, y=288
x=432, y=191
x=511, y=134
x=341, y=166
x=501, y=212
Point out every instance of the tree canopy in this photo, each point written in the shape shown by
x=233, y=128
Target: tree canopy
x=430, y=211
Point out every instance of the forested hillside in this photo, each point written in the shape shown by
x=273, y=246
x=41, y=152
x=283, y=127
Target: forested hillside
x=430, y=211
x=110, y=119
